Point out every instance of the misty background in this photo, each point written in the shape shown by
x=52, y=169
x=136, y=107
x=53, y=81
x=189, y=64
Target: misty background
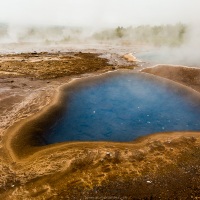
x=170, y=27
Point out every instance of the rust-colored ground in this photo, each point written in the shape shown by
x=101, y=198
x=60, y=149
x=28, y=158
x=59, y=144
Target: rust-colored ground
x=159, y=166
x=184, y=75
x=52, y=65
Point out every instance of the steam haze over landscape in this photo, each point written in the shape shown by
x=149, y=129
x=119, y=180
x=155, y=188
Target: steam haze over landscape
x=173, y=26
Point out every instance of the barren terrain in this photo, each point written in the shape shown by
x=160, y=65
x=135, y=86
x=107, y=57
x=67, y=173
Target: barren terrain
x=159, y=166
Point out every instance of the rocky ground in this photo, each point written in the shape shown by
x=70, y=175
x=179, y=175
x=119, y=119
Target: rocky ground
x=159, y=166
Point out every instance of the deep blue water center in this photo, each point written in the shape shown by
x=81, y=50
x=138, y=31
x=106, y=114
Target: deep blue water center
x=123, y=107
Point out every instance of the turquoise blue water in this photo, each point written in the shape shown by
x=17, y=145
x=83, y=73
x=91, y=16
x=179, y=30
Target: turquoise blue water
x=123, y=108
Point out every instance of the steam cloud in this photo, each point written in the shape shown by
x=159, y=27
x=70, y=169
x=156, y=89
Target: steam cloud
x=107, y=21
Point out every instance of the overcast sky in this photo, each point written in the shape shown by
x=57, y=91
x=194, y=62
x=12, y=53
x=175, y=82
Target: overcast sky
x=99, y=12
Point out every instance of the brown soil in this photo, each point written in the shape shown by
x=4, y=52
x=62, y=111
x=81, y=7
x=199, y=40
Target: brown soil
x=159, y=166
x=48, y=66
x=184, y=75
x=162, y=166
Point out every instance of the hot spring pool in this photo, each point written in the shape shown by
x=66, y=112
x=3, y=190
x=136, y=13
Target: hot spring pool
x=123, y=107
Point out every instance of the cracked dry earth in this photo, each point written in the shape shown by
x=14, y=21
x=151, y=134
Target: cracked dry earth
x=159, y=166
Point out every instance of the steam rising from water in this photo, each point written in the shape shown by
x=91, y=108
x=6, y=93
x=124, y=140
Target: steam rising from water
x=170, y=44
x=187, y=53
x=126, y=22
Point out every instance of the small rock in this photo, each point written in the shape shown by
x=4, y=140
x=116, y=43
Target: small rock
x=149, y=181
x=33, y=53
